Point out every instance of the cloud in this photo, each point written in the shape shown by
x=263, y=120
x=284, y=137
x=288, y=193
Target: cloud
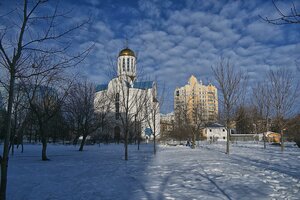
x=174, y=39
x=149, y=8
x=104, y=30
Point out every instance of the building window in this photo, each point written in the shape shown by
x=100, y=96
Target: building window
x=223, y=130
x=224, y=138
x=132, y=64
x=117, y=105
x=123, y=64
x=117, y=110
x=128, y=64
x=209, y=130
x=177, y=93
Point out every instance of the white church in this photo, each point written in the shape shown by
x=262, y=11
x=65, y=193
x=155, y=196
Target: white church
x=131, y=103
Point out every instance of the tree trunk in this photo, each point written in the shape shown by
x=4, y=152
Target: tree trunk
x=139, y=138
x=4, y=159
x=264, y=137
x=13, y=138
x=30, y=133
x=227, y=142
x=154, y=143
x=35, y=137
x=44, y=148
x=12, y=147
x=193, y=140
x=30, y=136
x=126, y=144
x=82, y=142
x=154, y=136
x=281, y=140
x=267, y=129
x=228, y=134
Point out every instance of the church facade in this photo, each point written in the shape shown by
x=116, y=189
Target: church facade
x=130, y=105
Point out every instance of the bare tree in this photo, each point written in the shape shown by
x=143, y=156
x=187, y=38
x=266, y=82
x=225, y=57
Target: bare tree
x=153, y=114
x=20, y=118
x=192, y=117
x=35, y=33
x=102, y=109
x=284, y=93
x=261, y=99
x=2, y=122
x=230, y=83
x=130, y=103
x=80, y=110
x=1, y=100
x=294, y=129
x=182, y=129
x=144, y=106
x=293, y=17
x=244, y=119
x=167, y=126
x=45, y=94
x=280, y=81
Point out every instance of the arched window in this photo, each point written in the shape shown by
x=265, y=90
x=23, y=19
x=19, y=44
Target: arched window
x=117, y=97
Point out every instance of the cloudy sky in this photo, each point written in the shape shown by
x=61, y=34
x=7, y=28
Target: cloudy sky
x=175, y=39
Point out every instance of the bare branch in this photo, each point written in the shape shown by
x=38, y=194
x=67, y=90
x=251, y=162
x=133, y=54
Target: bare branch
x=292, y=18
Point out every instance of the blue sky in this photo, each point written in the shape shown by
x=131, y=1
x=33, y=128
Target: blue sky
x=175, y=39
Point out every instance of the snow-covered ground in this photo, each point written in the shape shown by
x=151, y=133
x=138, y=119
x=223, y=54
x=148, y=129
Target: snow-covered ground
x=176, y=172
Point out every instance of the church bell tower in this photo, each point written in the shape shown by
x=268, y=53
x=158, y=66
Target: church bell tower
x=127, y=65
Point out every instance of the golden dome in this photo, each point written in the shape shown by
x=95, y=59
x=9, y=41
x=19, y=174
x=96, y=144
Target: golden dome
x=126, y=52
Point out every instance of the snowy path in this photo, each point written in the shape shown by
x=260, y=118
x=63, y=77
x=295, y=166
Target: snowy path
x=174, y=173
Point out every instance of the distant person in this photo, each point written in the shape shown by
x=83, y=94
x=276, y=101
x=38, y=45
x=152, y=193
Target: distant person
x=188, y=143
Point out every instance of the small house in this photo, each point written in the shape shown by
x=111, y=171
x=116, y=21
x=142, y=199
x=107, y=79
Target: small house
x=215, y=132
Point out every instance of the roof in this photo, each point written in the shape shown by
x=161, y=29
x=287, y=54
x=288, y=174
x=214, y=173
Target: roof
x=143, y=85
x=215, y=125
x=126, y=52
x=138, y=85
x=101, y=87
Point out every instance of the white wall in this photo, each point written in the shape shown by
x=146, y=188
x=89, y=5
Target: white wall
x=115, y=83
x=219, y=133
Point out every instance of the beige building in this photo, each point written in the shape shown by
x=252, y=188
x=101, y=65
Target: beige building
x=196, y=101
